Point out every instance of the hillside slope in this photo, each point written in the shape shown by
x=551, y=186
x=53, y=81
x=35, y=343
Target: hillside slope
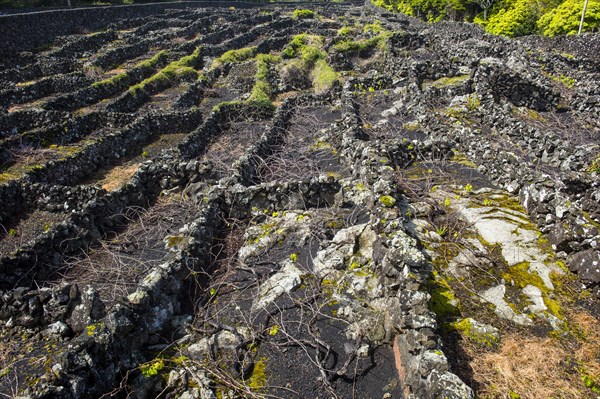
x=275, y=202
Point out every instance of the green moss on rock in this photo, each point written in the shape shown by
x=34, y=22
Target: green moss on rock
x=387, y=200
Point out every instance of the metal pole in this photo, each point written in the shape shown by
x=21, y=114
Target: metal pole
x=582, y=17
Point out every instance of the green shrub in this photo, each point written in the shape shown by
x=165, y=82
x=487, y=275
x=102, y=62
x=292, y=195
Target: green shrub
x=595, y=166
x=387, y=200
x=152, y=368
x=159, y=57
x=263, y=62
x=260, y=96
x=360, y=46
x=429, y=10
x=375, y=27
x=122, y=79
x=507, y=17
x=192, y=61
x=346, y=31
x=298, y=42
x=114, y=81
x=309, y=50
x=261, y=91
x=310, y=54
x=518, y=20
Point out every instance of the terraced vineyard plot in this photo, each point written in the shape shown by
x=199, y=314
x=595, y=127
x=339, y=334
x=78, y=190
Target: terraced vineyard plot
x=229, y=146
x=113, y=177
x=270, y=202
x=25, y=159
x=115, y=264
x=305, y=151
x=26, y=229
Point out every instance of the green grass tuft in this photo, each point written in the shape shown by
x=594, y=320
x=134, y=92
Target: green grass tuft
x=323, y=76
x=363, y=45
x=303, y=14
x=181, y=69
x=122, y=79
x=238, y=55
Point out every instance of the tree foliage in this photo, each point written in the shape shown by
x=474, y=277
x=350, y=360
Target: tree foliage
x=432, y=10
x=505, y=17
x=565, y=18
x=516, y=20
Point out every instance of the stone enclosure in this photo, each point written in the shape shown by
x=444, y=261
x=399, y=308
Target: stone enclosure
x=225, y=200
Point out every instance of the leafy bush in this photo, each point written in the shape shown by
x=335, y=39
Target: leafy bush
x=564, y=19
x=122, y=79
x=181, y=69
x=517, y=20
x=310, y=54
x=375, y=27
x=346, y=31
x=154, y=61
x=311, y=57
x=260, y=96
x=430, y=10
x=300, y=41
x=192, y=61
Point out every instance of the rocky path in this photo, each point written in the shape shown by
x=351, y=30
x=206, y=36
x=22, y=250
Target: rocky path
x=276, y=202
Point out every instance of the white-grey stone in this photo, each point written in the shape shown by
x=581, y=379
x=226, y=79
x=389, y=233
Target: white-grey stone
x=483, y=330
x=284, y=281
x=495, y=296
x=450, y=386
x=363, y=351
x=59, y=328
x=199, y=349
x=534, y=294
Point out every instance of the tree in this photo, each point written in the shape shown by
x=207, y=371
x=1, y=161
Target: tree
x=485, y=6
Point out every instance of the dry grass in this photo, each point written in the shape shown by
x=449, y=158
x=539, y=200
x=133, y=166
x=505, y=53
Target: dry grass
x=8, y=373
x=27, y=155
x=25, y=106
x=541, y=368
x=231, y=145
x=589, y=351
x=529, y=367
x=118, y=176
